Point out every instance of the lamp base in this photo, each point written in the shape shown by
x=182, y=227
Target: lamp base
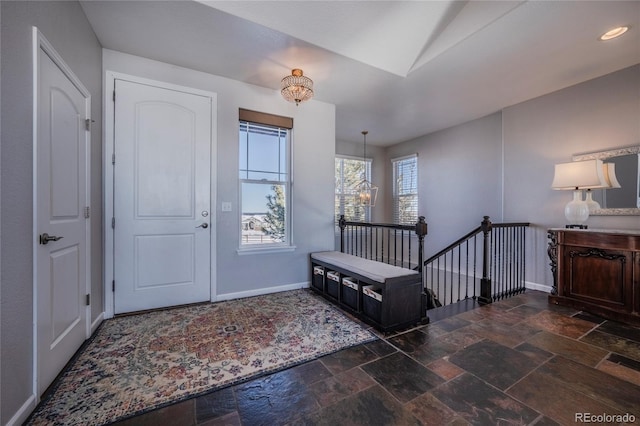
x=576, y=211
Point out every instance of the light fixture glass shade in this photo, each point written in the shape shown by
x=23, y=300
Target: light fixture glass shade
x=579, y=175
x=366, y=193
x=576, y=211
x=296, y=87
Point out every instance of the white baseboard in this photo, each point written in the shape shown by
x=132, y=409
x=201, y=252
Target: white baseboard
x=261, y=291
x=535, y=286
x=97, y=322
x=21, y=415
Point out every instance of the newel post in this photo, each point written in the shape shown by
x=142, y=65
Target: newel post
x=421, y=231
x=485, y=284
x=342, y=222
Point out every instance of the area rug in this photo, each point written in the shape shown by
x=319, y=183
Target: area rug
x=137, y=363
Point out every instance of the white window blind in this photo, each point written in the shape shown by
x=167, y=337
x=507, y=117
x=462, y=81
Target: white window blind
x=265, y=186
x=350, y=172
x=405, y=190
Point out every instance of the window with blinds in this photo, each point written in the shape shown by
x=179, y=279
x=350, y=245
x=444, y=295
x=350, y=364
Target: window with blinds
x=350, y=172
x=405, y=190
x=265, y=180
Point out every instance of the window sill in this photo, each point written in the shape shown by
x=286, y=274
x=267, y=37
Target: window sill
x=265, y=250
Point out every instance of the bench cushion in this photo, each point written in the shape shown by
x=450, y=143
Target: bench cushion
x=375, y=271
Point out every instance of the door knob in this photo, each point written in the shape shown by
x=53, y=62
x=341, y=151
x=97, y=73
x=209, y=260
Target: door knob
x=204, y=225
x=45, y=238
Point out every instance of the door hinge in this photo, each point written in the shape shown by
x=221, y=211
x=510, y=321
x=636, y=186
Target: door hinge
x=113, y=223
x=88, y=300
x=87, y=124
x=114, y=96
x=113, y=285
x=87, y=212
x=113, y=158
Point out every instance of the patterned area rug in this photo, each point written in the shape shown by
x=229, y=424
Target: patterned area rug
x=137, y=363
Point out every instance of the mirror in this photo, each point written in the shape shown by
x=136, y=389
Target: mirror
x=626, y=199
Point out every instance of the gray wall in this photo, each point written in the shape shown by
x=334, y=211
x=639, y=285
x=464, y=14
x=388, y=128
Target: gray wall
x=66, y=27
x=459, y=178
x=502, y=165
x=596, y=115
x=313, y=176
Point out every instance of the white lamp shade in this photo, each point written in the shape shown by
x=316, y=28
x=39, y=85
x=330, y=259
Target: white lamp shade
x=610, y=175
x=579, y=175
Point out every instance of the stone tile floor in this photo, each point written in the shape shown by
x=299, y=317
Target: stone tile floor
x=519, y=361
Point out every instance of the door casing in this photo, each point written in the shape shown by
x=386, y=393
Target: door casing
x=108, y=175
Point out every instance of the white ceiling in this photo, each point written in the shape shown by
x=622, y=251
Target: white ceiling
x=400, y=69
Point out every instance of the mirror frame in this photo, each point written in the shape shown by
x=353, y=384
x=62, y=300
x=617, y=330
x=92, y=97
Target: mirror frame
x=603, y=155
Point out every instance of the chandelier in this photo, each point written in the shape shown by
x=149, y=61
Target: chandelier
x=296, y=87
x=366, y=192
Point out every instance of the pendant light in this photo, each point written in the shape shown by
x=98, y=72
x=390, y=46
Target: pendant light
x=366, y=192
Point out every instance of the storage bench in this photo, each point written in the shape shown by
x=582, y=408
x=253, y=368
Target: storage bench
x=385, y=296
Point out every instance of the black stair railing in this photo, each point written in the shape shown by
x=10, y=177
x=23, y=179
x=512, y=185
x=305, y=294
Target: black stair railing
x=487, y=264
x=384, y=242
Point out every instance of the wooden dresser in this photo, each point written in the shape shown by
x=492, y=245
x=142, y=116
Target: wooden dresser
x=597, y=271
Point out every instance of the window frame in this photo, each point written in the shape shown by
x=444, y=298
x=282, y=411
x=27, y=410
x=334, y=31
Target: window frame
x=396, y=197
x=287, y=182
x=368, y=170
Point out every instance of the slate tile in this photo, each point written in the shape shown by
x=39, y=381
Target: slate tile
x=430, y=411
x=215, y=404
x=508, y=335
x=496, y=364
x=620, y=371
x=553, y=398
x=275, y=399
x=335, y=388
x=401, y=376
x=231, y=419
x=347, y=359
x=452, y=323
x=560, y=324
x=606, y=389
x=612, y=343
x=481, y=404
x=409, y=342
x=380, y=347
x=623, y=360
x=525, y=311
x=569, y=348
x=445, y=369
x=179, y=414
x=626, y=331
x=372, y=406
x=537, y=355
x=309, y=372
x=589, y=317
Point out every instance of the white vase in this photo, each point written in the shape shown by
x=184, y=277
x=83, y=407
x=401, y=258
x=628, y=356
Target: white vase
x=576, y=211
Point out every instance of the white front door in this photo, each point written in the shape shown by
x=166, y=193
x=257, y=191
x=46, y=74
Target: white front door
x=62, y=105
x=162, y=174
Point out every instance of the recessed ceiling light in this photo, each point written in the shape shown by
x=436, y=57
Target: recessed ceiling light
x=613, y=33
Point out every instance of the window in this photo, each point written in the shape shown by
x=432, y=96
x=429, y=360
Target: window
x=350, y=172
x=265, y=188
x=405, y=190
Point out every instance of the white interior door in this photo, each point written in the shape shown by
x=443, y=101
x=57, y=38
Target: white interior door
x=162, y=177
x=60, y=177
